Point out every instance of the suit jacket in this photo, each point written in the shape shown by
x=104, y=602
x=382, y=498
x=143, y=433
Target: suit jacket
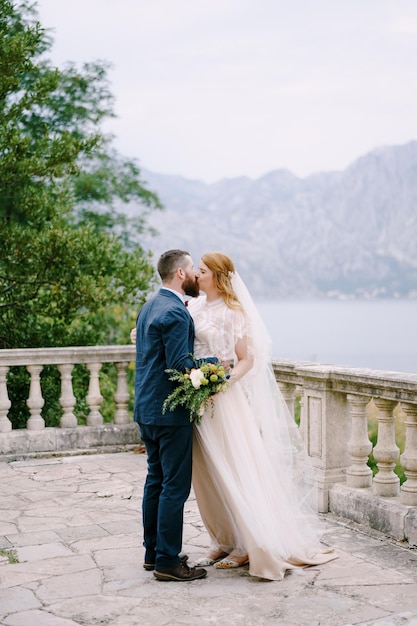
x=164, y=340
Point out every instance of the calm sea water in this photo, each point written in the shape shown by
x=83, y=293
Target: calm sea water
x=380, y=334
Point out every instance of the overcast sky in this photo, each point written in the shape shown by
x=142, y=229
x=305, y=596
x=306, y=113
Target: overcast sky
x=221, y=88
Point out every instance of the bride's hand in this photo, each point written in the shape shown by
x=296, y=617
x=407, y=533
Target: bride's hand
x=228, y=367
x=133, y=335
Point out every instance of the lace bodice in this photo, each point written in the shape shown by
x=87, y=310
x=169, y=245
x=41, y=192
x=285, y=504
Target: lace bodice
x=217, y=328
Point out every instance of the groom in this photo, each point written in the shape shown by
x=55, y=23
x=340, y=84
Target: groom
x=164, y=340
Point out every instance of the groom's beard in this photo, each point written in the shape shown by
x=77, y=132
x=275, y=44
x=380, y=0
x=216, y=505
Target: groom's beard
x=190, y=287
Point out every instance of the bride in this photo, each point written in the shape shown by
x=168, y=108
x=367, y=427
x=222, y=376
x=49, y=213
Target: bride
x=253, y=489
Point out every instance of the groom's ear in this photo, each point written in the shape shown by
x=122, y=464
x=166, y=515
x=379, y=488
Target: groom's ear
x=180, y=273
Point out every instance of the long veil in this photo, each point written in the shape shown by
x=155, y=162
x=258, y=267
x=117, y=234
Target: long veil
x=283, y=442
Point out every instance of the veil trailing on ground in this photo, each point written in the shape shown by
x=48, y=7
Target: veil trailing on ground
x=283, y=442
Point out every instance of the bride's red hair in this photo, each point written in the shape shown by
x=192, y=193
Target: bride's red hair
x=222, y=267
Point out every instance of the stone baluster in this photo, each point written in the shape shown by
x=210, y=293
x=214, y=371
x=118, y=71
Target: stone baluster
x=67, y=399
x=288, y=391
x=35, y=401
x=5, y=404
x=359, y=474
x=386, y=452
x=94, y=397
x=409, y=456
x=122, y=394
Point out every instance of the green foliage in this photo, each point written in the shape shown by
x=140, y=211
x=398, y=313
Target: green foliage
x=11, y=555
x=104, y=184
x=297, y=409
x=18, y=381
x=71, y=266
x=62, y=264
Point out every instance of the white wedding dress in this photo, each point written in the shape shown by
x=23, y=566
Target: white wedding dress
x=246, y=472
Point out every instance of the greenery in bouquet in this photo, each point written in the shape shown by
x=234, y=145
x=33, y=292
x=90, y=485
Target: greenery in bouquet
x=195, y=388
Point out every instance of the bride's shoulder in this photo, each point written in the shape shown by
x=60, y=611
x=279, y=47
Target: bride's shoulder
x=232, y=315
x=238, y=317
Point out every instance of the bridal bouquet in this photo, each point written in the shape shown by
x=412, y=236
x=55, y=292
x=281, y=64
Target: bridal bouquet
x=195, y=388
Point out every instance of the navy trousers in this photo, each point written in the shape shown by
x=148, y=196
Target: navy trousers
x=167, y=487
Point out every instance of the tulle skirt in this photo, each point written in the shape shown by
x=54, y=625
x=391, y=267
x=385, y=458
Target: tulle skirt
x=245, y=505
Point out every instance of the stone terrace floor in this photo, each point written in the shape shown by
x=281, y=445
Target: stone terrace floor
x=73, y=525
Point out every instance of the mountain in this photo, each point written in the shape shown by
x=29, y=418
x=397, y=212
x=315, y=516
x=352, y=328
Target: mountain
x=335, y=234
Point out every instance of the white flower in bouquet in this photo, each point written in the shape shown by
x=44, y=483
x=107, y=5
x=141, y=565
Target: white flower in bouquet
x=196, y=377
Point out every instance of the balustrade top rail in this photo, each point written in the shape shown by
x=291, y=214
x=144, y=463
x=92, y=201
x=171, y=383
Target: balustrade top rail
x=385, y=384
x=75, y=354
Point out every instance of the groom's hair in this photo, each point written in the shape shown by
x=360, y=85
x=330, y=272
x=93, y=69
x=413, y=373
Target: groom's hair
x=169, y=262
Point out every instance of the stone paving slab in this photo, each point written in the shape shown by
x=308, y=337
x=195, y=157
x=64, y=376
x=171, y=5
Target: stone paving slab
x=74, y=524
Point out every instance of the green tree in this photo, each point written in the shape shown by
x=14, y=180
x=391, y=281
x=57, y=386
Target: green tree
x=71, y=266
x=68, y=255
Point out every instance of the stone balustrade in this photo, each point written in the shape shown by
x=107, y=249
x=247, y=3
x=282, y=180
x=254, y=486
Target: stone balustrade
x=38, y=439
x=336, y=405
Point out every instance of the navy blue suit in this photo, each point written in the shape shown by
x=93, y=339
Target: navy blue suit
x=164, y=340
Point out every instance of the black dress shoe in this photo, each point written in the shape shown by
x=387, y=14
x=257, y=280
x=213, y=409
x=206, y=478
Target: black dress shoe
x=181, y=573
x=151, y=566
